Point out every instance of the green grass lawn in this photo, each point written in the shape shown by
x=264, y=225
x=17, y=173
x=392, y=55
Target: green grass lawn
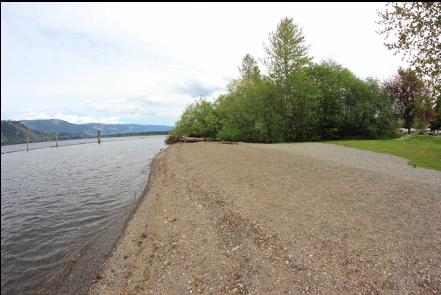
x=421, y=151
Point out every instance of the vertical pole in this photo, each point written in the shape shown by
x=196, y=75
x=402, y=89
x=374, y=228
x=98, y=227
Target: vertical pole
x=27, y=143
x=56, y=140
x=98, y=135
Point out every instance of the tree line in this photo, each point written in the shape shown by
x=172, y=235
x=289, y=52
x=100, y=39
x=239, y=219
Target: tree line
x=299, y=100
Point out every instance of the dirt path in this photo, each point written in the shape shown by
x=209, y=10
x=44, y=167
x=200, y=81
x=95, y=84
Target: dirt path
x=281, y=219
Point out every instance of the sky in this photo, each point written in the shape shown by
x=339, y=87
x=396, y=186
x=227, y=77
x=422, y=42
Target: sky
x=144, y=63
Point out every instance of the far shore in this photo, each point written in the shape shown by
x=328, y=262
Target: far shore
x=74, y=137
x=302, y=218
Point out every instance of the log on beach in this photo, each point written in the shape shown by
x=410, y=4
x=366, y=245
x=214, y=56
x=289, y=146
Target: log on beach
x=184, y=139
x=192, y=139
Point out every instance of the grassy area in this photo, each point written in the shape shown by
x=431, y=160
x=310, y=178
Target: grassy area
x=422, y=151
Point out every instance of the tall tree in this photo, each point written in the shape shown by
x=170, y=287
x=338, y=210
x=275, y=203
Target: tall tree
x=414, y=28
x=287, y=56
x=287, y=51
x=249, y=68
x=406, y=90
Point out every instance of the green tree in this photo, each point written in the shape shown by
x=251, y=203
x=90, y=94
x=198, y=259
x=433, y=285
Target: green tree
x=287, y=57
x=302, y=107
x=373, y=111
x=199, y=119
x=244, y=112
x=286, y=53
x=249, y=69
x=296, y=101
x=348, y=106
x=328, y=76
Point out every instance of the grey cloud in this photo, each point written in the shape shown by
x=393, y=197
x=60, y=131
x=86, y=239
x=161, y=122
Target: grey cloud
x=196, y=88
x=145, y=100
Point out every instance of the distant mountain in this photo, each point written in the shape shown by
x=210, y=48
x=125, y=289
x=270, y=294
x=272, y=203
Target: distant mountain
x=14, y=132
x=53, y=126
x=90, y=129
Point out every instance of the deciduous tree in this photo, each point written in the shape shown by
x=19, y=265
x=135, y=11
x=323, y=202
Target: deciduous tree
x=249, y=69
x=414, y=29
x=406, y=90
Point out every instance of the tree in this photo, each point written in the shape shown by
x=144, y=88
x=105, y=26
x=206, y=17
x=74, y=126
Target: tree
x=296, y=101
x=247, y=111
x=406, y=90
x=287, y=56
x=414, y=28
x=249, y=68
x=436, y=124
x=372, y=113
x=199, y=119
x=328, y=76
x=348, y=106
x=302, y=107
x=287, y=51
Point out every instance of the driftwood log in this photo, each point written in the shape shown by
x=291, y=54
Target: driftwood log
x=208, y=139
x=192, y=139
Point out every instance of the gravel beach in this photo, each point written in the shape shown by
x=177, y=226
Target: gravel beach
x=303, y=218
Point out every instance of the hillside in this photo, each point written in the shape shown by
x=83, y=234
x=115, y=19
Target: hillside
x=14, y=132
x=90, y=129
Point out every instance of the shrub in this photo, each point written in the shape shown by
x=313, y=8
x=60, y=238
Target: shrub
x=172, y=139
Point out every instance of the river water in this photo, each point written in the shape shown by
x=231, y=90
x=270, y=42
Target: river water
x=63, y=209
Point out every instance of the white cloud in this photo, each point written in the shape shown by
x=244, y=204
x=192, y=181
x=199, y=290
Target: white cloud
x=97, y=59
x=73, y=118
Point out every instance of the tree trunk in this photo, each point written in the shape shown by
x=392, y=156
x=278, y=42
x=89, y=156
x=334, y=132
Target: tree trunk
x=407, y=120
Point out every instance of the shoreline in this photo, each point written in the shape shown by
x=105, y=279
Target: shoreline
x=61, y=283
x=252, y=218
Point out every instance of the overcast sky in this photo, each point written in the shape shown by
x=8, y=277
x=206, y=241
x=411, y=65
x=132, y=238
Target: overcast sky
x=143, y=63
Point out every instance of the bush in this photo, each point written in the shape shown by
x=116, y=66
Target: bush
x=229, y=134
x=172, y=139
x=198, y=120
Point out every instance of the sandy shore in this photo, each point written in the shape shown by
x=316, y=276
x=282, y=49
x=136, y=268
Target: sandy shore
x=280, y=219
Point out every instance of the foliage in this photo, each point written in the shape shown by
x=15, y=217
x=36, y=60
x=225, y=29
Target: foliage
x=199, y=119
x=297, y=101
x=414, y=28
x=287, y=55
x=424, y=151
x=409, y=95
x=249, y=68
x=329, y=77
x=286, y=52
x=172, y=139
x=348, y=106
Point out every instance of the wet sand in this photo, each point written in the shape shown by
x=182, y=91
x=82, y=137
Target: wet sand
x=305, y=218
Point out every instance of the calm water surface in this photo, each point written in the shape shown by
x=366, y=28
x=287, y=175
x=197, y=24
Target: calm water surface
x=62, y=209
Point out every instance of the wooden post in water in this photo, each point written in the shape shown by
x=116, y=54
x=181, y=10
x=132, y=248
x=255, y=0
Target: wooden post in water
x=27, y=143
x=98, y=135
x=56, y=140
